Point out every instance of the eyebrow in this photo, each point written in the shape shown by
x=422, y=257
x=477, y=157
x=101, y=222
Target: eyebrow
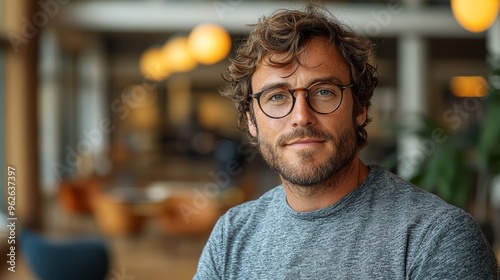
x=326, y=79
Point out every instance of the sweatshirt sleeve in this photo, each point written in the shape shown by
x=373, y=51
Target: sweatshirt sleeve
x=210, y=262
x=454, y=248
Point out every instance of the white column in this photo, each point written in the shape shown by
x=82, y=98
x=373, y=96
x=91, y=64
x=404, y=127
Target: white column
x=412, y=83
x=93, y=134
x=50, y=109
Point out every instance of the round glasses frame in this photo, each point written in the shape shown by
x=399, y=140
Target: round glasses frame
x=307, y=91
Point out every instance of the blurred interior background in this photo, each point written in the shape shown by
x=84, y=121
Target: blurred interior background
x=113, y=127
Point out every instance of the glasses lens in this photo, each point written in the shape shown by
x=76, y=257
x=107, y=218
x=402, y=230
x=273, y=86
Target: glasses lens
x=276, y=102
x=325, y=98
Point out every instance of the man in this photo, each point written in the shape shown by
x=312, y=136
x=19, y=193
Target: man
x=302, y=84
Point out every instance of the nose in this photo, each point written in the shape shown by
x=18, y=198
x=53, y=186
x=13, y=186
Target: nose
x=302, y=114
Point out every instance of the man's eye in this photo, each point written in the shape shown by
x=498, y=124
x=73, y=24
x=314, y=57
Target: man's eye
x=324, y=92
x=277, y=97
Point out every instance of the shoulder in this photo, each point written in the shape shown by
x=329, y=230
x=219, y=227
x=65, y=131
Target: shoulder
x=401, y=204
x=254, y=210
x=396, y=195
x=260, y=205
x=398, y=192
x=453, y=244
x=443, y=239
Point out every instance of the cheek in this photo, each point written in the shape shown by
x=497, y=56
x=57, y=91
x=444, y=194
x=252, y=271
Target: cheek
x=265, y=127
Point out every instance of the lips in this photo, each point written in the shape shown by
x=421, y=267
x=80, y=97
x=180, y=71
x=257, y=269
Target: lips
x=304, y=141
x=304, y=136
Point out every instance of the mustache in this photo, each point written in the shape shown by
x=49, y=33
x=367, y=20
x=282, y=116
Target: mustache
x=304, y=133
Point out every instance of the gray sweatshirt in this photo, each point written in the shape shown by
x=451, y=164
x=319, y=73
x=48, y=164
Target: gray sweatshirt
x=385, y=229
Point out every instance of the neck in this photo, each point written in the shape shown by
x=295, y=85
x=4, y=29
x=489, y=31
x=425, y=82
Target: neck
x=310, y=198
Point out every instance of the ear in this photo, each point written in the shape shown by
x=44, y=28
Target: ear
x=361, y=117
x=251, y=125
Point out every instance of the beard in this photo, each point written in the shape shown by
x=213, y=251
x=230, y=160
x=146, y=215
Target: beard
x=307, y=171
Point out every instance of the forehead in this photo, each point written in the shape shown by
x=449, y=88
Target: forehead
x=318, y=58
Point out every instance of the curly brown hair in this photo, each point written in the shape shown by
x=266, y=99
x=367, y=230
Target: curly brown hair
x=288, y=32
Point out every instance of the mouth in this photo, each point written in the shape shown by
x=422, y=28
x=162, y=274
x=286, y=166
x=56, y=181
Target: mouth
x=304, y=138
x=304, y=142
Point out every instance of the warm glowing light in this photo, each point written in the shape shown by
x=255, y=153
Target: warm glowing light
x=209, y=43
x=475, y=15
x=152, y=65
x=469, y=86
x=176, y=55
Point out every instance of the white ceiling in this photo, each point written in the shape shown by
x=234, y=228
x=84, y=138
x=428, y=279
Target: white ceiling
x=378, y=19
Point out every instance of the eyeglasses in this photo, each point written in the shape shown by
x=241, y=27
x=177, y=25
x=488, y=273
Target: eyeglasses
x=321, y=97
